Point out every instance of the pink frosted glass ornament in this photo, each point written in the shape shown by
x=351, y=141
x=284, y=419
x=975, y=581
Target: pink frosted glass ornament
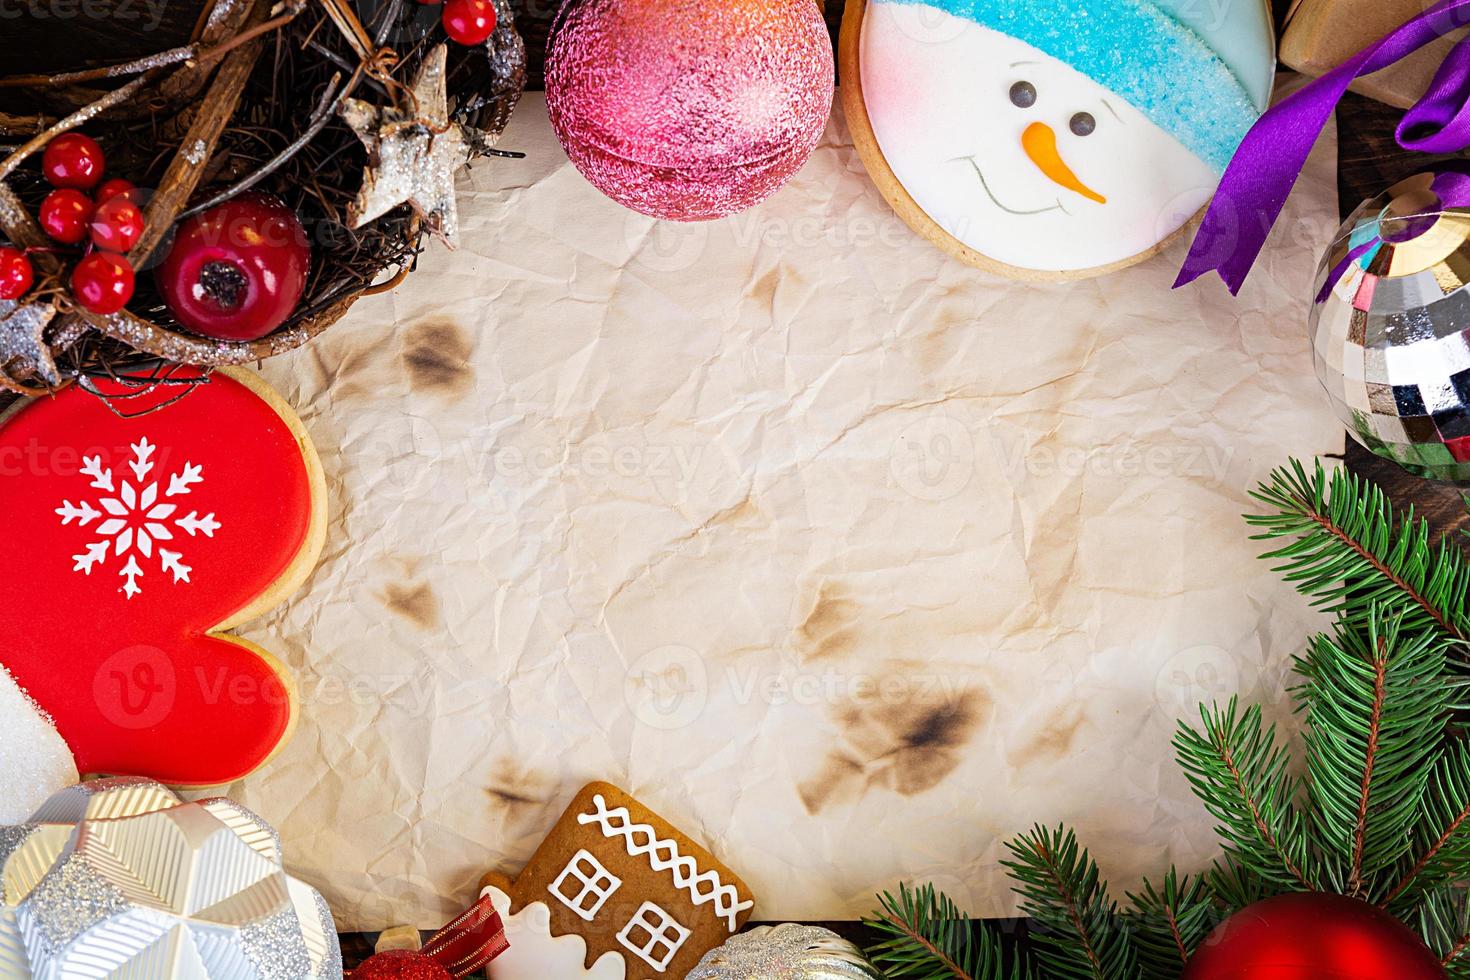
x=689, y=110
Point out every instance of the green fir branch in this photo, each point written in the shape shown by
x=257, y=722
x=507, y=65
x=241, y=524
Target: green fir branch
x=1240, y=774
x=1376, y=705
x=929, y=938
x=1169, y=922
x=1079, y=934
x=1444, y=924
x=1442, y=836
x=1235, y=887
x=1346, y=549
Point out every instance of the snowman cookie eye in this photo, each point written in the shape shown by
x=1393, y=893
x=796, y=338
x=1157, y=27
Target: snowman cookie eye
x=1082, y=124
x=1023, y=95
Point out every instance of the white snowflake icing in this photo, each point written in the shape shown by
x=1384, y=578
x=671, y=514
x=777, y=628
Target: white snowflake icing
x=136, y=515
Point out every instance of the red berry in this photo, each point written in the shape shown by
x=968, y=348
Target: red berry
x=16, y=274
x=469, y=21
x=117, y=225
x=117, y=187
x=103, y=282
x=236, y=271
x=73, y=160
x=64, y=215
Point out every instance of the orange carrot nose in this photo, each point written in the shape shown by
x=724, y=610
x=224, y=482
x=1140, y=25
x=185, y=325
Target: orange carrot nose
x=1040, y=143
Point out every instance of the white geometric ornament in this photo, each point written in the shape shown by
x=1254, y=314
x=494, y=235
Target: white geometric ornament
x=118, y=878
x=136, y=515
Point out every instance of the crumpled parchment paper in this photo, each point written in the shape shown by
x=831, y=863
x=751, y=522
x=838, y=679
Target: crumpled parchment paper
x=849, y=559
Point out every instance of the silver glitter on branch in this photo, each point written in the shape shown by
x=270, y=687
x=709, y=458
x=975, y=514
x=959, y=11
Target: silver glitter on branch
x=413, y=153
x=23, y=341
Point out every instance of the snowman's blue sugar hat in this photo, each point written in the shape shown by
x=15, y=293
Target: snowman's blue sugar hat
x=1200, y=69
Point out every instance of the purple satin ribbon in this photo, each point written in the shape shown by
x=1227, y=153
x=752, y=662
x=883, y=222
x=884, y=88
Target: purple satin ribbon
x=1270, y=158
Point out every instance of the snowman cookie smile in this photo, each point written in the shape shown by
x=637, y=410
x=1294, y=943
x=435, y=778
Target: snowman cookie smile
x=990, y=193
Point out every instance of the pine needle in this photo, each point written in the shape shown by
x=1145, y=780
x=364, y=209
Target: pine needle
x=1348, y=551
x=1169, y=922
x=1240, y=774
x=929, y=938
x=1080, y=934
x=1444, y=923
x=1376, y=705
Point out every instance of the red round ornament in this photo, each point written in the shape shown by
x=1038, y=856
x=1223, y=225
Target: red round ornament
x=116, y=187
x=64, y=215
x=237, y=271
x=16, y=274
x=116, y=225
x=1313, y=936
x=401, y=964
x=73, y=160
x=469, y=21
x=103, y=282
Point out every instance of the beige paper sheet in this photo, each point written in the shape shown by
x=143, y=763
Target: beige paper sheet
x=849, y=559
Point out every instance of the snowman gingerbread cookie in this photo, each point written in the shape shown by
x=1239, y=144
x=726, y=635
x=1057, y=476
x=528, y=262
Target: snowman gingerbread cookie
x=1044, y=140
x=147, y=526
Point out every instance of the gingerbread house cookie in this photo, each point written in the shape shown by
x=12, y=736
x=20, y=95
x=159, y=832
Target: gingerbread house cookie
x=615, y=892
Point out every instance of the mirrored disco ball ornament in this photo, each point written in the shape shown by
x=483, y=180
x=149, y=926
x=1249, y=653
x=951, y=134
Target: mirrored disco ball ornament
x=120, y=878
x=1391, y=324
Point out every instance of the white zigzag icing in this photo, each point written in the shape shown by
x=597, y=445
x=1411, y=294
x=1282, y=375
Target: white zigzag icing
x=664, y=856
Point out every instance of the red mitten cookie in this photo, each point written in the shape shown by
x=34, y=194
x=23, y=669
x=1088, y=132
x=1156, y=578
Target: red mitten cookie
x=133, y=542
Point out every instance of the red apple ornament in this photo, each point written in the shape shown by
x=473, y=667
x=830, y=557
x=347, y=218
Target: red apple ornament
x=73, y=160
x=236, y=271
x=16, y=274
x=102, y=282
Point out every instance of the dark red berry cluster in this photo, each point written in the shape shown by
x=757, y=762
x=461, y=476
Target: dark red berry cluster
x=106, y=222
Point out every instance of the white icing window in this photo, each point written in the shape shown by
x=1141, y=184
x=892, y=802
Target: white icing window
x=584, y=885
x=653, y=936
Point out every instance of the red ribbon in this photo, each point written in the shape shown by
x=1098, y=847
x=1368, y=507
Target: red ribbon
x=473, y=939
x=468, y=943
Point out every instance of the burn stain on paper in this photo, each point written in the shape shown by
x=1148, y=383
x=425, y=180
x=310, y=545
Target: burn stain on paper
x=514, y=791
x=411, y=601
x=763, y=290
x=828, y=630
x=908, y=747
x=1052, y=742
x=436, y=358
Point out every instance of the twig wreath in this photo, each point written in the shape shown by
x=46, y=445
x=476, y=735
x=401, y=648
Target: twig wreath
x=265, y=96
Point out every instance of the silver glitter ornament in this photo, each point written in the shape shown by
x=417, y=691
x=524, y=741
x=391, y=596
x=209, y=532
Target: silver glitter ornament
x=1391, y=325
x=118, y=877
x=23, y=346
x=785, y=952
x=413, y=152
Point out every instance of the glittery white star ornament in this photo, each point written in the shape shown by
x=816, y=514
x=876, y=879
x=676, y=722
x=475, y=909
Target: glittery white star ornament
x=413, y=152
x=119, y=878
x=23, y=342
